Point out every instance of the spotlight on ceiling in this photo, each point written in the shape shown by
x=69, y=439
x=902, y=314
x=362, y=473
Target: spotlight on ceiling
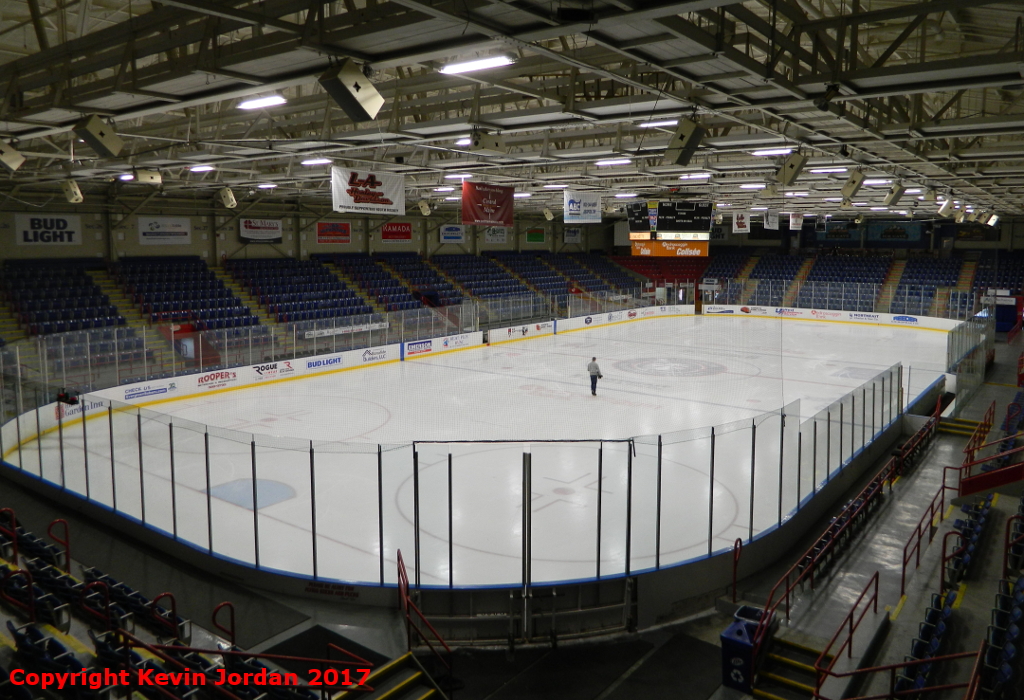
x=9, y=156
x=479, y=64
x=99, y=135
x=261, y=102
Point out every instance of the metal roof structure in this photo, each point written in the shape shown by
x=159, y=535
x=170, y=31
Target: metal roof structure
x=928, y=94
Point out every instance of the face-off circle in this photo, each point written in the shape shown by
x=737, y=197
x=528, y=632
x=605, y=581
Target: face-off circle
x=670, y=367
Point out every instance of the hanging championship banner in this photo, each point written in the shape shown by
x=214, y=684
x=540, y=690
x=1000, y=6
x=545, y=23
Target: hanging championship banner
x=495, y=234
x=581, y=207
x=796, y=222
x=486, y=205
x=260, y=230
x=367, y=192
x=741, y=221
x=165, y=230
x=453, y=233
x=333, y=232
x=51, y=229
x=771, y=220
x=572, y=235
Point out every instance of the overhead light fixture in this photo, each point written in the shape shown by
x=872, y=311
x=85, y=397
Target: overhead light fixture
x=846, y=204
x=261, y=102
x=894, y=195
x=201, y=168
x=915, y=190
x=479, y=64
x=695, y=176
x=653, y=125
x=613, y=161
x=452, y=199
x=555, y=187
x=960, y=216
x=522, y=195
x=458, y=176
x=853, y=184
x=684, y=142
x=832, y=199
x=424, y=207
x=825, y=171
x=876, y=182
x=625, y=195
x=758, y=208
x=879, y=208
x=791, y=169
x=146, y=176
x=930, y=195
x=266, y=186
x=798, y=194
x=444, y=189
x=549, y=215
x=464, y=142
x=723, y=204
x=9, y=156
x=772, y=152
x=317, y=161
x=126, y=177
x=486, y=144
x=753, y=186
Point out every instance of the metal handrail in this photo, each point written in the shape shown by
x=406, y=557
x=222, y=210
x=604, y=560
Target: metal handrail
x=171, y=624
x=848, y=622
x=980, y=433
x=916, y=537
x=1018, y=540
x=892, y=669
x=30, y=606
x=410, y=624
x=105, y=616
x=946, y=558
x=230, y=632
x=12, y=533
x=64, y=541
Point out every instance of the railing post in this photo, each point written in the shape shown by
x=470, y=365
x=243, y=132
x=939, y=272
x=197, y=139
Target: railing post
x=255, y=505
x=174, y=490
x=657, y=522
x=142, y=470
x=600, y=489
x=209, y=495
x=753, y=459
x=312, y=506
x=711, y=495
x=380, y=511
x=737, y=552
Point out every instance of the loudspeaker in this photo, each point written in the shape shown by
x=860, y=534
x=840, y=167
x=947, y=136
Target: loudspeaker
x=946, y=208
x=9, y=157
x=853, y=184
x=791, y=169
x=770, y=190
x=685, y=142
x=973, y=216
x=847, y=203
x=548, y=214
x=227, y=197
x=424, y=207
x=71, y=192
x=352, y=91
x=894, y=196
x=490, y=144
x=859, y=220
x=960, y=216
x=930, y=195
x=148, y=177
x=100, y=135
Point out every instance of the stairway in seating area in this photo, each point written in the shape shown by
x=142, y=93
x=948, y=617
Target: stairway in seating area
x=787, y=672
x=965, y=282
x=401, y=679
x=889, y=285
x=958, y=426
x=789, y=299
x=743, y=277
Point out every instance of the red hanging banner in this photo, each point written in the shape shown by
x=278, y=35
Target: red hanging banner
x=486, y=205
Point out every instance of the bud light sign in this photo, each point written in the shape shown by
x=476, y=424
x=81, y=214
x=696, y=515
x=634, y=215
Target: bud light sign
x=52, y=229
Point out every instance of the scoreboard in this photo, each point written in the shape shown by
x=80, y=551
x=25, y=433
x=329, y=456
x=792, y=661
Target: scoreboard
x=669, y=220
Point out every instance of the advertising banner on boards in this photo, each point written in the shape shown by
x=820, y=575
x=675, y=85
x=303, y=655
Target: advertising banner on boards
x=367, y=191
x=49, y=229
x=165, y=230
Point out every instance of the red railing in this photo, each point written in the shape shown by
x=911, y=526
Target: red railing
x=946, y=558
x=102, y=614
x=172, y=623
x=978, y=437
x=809, y=561
x=1020, y=370
x=927, y=525
x=1009, y=543
x=850, y=625
x=409, y=609
x=30, y=605
x=1013, y=332
x=894, y=669
x=229, y=631
x=11, y=532
x=64, y=541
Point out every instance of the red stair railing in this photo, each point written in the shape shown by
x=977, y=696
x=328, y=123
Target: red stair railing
x=411, y=613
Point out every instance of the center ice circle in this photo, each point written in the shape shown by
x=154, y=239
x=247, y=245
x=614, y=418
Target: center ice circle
x=670, y=367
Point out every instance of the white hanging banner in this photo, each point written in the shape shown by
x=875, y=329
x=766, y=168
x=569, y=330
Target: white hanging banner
x=741, y=221
x=796, y=222
x=581, y=207
x=771, y=220
x=367, y=192
x=572, y=235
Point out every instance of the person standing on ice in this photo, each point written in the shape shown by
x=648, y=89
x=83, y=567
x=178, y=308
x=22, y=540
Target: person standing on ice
x=595, y=374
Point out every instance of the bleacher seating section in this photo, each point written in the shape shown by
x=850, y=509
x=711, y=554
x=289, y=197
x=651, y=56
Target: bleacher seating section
x=844, y=282
x=424, y=281
x=921, y=277
x=610, y=273
x=932, y=633
x=725, y=268
x=1003, y=272
x=481, y=277
x=96, y=348
x=376, y=282
x=182, y=290
x=56, y=297
x=297, y=290
x=774, y=274
x=665, y=270
x=531, y=268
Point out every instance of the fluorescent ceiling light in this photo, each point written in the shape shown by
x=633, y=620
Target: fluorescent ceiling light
x=860, y=204
x=316, y=161
x=758, y=208
x=664, y=122
x=555, y=187
x=871, y=183
x=261, y=102
x=822, y=171
x=752, y=186
x=201, y=168
x=458, y=176
x=723, y=204
x=613, y=161
x=266, y=186
x=832, y=199
x=797, y=194
x=444, y=189
x=464, y=142
x=522, y=195
x=625, y=195
x=479, y=64
x=452, y=199
x=127, y=177
x=879, y=208
x=772, y=152
x=914, y=191
x=695, y=176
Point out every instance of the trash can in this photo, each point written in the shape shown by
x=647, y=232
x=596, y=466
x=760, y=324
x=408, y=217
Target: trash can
x=738, y=655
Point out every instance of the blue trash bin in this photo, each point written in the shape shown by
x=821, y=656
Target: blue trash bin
x=738, y=655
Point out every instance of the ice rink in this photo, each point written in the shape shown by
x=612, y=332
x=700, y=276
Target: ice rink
x=673, y=377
